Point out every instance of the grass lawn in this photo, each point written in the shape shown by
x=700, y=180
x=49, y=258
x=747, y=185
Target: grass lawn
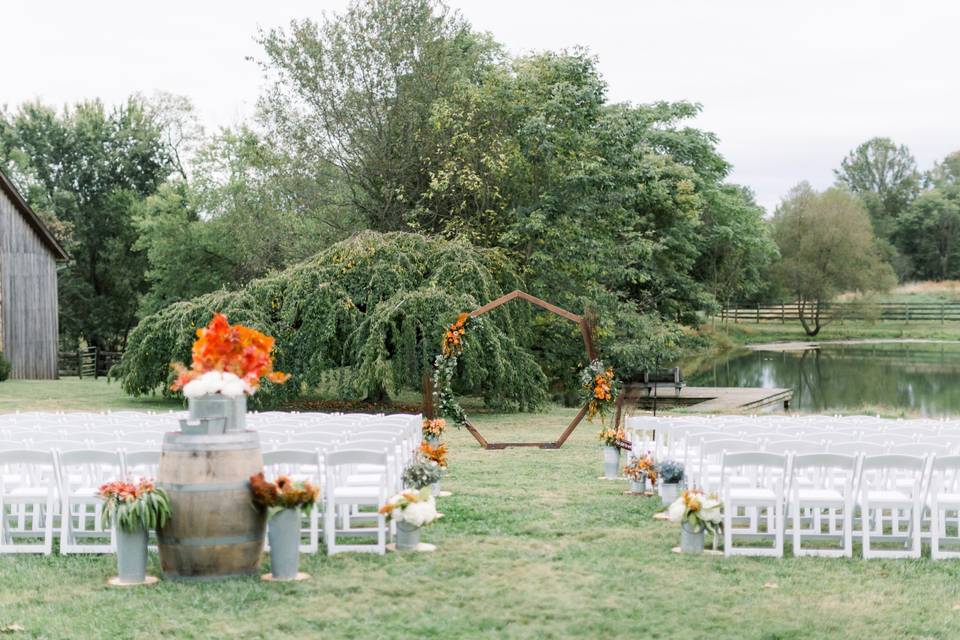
x=752, y=333
x=532, y=546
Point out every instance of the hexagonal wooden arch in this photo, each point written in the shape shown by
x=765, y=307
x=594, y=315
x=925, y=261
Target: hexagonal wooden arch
x=585, y=329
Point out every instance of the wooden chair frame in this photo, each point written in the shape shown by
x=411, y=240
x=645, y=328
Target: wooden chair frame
x=586, y=330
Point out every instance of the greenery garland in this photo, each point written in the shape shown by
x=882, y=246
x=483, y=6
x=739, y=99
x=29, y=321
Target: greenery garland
x=445, y=367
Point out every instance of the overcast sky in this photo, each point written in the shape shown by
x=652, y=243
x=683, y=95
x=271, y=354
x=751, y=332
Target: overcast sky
x=789, y=87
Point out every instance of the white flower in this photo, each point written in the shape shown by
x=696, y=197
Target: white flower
x=676, y=510
x=712, y=510
x=212, y=382
x=420, y=513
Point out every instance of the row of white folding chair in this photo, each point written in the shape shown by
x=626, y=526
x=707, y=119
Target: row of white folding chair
x=703, y=467
x=823, y=491
x=38, y=486
x=754, y=490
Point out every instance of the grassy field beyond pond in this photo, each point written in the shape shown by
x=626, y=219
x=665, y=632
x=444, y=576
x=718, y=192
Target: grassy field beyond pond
x=532, y=546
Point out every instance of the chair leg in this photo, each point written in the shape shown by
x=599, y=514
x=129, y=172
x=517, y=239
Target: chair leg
x=728, y=531
x=934, y=530
x=796, y=528
x=865, y=515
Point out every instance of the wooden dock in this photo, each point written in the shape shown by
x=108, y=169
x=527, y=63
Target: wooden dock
x=722, y=399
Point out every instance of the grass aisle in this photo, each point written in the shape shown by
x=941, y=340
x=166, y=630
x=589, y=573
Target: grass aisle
x=532, y=546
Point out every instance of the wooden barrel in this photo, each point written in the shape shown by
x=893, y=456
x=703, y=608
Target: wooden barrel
x=214, y=531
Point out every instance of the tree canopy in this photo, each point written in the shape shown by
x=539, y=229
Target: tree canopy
x=827, y=246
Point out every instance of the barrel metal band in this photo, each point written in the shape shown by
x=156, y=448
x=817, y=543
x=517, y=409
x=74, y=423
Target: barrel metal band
x=212, y=542
x=239, y=485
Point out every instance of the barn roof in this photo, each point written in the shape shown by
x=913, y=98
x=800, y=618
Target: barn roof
x=7, y=187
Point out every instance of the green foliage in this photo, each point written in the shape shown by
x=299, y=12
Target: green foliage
x=359, y=89
x=929, y=230
x=434, y=129
x=367, y=313
x=827, y=246
x=885, y=176
x=245, y=211
x=149, y=509
x=89, y=167
x=4, y=367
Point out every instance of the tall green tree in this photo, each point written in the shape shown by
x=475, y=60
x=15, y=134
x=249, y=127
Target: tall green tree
x=90, y=167
x=885, y=175
x=827, y=246
x=929, y=231
x=355, y=91
x=245, y=211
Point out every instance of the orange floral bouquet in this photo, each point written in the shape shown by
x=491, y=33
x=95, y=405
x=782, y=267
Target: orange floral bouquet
x=434, y=453
x=433, y=429
x=610, y=436
x=452, y=344
x=599, y=389
x=282, y=494
x=134, y=506
x=641, y=468
x=227, y=359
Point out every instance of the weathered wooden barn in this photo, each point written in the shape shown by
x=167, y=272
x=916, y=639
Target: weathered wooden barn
x=28, y=288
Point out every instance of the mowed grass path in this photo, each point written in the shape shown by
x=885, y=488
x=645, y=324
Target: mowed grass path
x=532, y=546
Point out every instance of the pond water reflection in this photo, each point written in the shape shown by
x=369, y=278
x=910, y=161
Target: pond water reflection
x=916, y=378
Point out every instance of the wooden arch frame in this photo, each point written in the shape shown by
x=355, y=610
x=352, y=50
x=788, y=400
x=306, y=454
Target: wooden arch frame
x=586, y=330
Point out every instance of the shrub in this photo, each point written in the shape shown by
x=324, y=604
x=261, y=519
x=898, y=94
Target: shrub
x=367, y=314
x=4, y=367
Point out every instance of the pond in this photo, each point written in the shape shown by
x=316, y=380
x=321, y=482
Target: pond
x=913, y=378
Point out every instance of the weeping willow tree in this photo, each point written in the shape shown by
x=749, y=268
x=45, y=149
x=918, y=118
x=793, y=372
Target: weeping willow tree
x=367, y=314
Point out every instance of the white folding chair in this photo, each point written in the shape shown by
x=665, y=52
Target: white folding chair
x=300, y=466
x=824, y=499
x=944, y=503
x=767, y=473
x=891, y=485
x=81, y=474
x=28, y=481
x=337, y=465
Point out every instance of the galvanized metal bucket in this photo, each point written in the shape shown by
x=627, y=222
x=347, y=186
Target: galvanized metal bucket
x=131, y=556
x=638, y=486
x=408, y=536
x=283, y=531
x=669, y=492
x=691, y=540
x=216, y=407
x=611, y=462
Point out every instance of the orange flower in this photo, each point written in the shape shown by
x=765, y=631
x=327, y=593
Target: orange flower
x=436, y=453
x=235, y=349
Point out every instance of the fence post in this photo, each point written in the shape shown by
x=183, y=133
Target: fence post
x=908, y=313
x=941, y=313
x=96, y=363
x=782, y=318
x=758, y=313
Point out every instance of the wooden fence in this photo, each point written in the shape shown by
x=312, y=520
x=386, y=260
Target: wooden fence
x=941, y=312
x=87, y=363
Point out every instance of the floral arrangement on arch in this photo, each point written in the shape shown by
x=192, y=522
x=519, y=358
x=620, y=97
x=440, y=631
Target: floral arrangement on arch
x=640, y=468
x=227, y=359
x=609, y=436
x=417, y=508
x=697, y=511
x=282, y=494
x=598, y=388
x=445, y=366
x=132, y=507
